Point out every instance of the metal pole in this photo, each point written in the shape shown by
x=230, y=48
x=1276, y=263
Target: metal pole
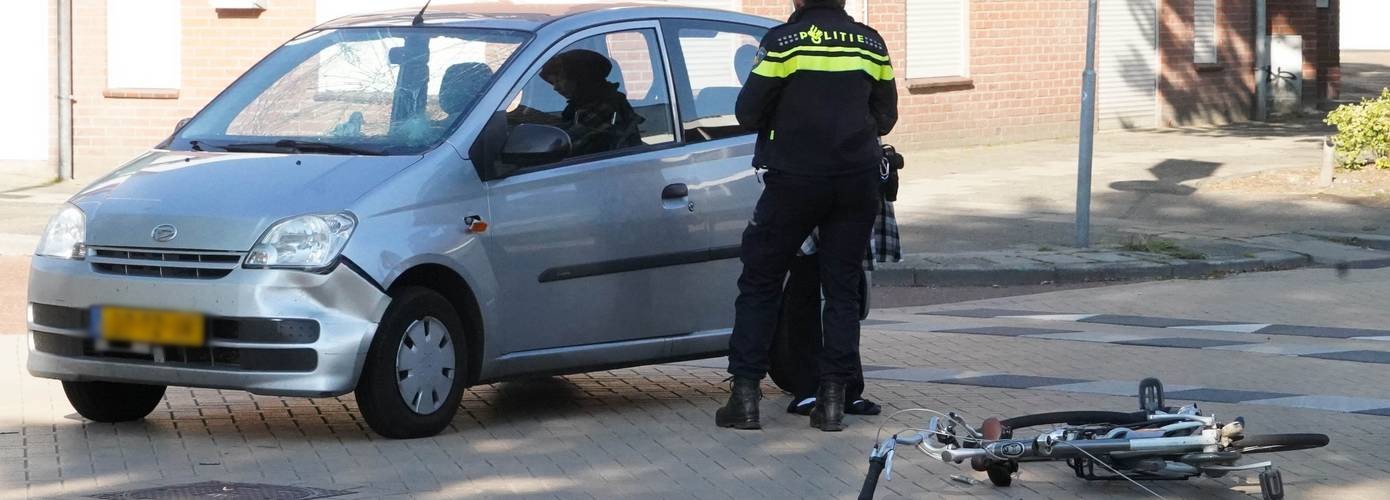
x=1262, y=63
x=1088, y=134
x=65, y=90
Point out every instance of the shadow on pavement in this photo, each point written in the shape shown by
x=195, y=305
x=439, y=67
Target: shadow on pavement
x=1364, y=73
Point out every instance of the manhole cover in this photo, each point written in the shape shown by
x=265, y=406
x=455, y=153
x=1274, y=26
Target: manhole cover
x=224, y=491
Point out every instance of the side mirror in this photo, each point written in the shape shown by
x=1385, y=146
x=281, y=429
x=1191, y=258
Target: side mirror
x=529, y=145
x=179, y=126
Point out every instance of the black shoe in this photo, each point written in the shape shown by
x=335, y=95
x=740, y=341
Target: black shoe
x=742, y=410
x=801, y=406
x=829, y=413
x=862, y=407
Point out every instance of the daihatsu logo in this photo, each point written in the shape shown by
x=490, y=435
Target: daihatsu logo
x=164, y=232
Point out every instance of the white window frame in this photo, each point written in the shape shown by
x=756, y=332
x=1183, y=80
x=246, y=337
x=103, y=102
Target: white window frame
x=144, y=44
x=916, y=71
x=1209, y=52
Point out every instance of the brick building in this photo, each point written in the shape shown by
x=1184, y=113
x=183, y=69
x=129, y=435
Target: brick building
x=970, y=71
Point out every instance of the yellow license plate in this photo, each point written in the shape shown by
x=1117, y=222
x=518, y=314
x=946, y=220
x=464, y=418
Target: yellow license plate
x=151, y=327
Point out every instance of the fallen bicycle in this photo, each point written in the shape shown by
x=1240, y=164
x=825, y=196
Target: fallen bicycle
x=1155, y=443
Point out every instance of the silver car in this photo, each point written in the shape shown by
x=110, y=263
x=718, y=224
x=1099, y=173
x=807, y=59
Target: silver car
x=403, y=206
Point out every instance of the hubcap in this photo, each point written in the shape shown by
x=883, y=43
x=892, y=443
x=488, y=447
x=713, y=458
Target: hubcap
x=425, y=365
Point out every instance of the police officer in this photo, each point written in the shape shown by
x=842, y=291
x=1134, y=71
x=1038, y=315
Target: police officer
x=819, y=96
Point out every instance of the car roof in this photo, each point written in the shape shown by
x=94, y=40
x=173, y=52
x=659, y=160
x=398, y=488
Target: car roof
x=535, y=16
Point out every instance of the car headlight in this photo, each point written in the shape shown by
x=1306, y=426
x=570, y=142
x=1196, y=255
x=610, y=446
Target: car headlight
x=64, y=236
x=308, y=242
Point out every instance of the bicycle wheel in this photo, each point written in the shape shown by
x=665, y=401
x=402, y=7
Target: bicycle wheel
x=1274, y=443
x=1075, y=418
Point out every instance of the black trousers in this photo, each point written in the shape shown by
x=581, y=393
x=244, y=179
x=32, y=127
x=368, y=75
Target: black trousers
x=798, y=338
x=843, y=208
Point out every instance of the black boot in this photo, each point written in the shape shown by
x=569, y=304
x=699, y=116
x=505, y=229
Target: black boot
x=829, y=413
x=742, y=410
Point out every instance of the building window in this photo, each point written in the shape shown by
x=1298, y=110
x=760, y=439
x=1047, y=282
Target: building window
x=142, y=44
x=938, y=43
x=1204, y=29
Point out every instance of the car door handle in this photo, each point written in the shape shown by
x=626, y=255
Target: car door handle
x=675, y=192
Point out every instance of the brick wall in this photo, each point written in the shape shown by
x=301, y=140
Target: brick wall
x=1192, y=94
x=1321, y=61
x=216, y=48
x=1026, y=60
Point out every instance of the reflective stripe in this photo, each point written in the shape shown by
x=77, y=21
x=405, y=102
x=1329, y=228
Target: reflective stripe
x=820, y=48
x=783, y=69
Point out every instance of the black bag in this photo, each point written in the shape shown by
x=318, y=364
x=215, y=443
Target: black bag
x=888, y=172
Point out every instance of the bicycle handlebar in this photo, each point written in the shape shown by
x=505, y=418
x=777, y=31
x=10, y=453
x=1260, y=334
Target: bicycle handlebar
x=962, y=454
x=912, y=440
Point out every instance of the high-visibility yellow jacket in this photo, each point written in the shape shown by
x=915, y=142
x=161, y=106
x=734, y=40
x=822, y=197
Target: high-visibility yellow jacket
x=820, y=94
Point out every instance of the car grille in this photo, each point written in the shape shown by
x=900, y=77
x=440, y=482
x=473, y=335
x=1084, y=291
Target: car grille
x=159, y=263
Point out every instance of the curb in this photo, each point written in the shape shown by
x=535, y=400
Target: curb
x=1362, y=240
x=1124, y=266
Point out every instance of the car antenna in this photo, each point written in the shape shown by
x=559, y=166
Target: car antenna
x=420, y=17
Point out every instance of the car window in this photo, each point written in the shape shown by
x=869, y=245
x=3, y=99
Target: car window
x=607, y=92
x=388, y=90
x=713, y=61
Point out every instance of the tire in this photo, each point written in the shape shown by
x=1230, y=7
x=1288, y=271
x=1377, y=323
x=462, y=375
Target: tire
x=408, y=344
x=1075, y=418
x=787, y=367
x=1275, y=443
x=113, y=401
x=796, y=341
x=1150, y=395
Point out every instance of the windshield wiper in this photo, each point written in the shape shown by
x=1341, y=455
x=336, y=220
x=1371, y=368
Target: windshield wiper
x=299, y=146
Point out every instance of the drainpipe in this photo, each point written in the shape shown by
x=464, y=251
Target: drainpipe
x=65, y=171
x=1261, y=60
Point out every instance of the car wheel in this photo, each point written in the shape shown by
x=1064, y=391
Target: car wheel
x=113, y=401
x=416, y=368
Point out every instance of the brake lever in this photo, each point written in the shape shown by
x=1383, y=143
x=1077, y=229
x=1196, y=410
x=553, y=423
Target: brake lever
x=885, y=450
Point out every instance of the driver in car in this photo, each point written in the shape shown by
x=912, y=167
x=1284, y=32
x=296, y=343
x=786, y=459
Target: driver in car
x=597, y=116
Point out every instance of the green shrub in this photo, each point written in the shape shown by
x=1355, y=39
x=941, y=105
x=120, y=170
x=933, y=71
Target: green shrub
x=1363, y=132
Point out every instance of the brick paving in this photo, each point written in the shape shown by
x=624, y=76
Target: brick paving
x=647, y=432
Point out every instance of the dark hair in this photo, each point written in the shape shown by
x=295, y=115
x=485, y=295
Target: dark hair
x=828, y=3
x=579, y=64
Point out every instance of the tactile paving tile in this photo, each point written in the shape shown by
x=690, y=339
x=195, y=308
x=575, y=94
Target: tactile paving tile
x=1382, y=357
x=1184, y=342
x=1223, y=395
x=1320, y=331
x=982, y=313
x=876, y=322
x=1330, y=403
x=1010, y=381
x=1004, y=331
x=1149, y=321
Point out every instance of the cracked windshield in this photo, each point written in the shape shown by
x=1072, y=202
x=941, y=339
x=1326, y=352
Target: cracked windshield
x=355, y=91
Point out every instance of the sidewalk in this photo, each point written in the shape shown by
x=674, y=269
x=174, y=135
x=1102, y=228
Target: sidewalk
x=1004, y=215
